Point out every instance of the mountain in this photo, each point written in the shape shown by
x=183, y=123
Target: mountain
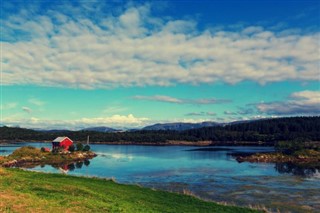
x=180, y=126
x=51, y=130
x=100, y=129
x=268, y=131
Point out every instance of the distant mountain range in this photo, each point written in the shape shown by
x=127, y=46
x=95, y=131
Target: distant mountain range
x=178, y=126
x=267, y=131
x=181, y=126
x=100, y=129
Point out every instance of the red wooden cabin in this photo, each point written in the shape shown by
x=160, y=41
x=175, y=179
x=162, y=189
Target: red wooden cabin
x=63, y=142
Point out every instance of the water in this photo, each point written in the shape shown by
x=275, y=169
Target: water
x=208, y=172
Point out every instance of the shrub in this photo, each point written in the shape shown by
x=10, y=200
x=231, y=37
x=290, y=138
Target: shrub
x=86, y=148
x=72, y=148
x=289, y=147
x=26, y=151
x=57, y=150
x=71, y=167
x=79, y=147
x=86, y=162
x=79, y=165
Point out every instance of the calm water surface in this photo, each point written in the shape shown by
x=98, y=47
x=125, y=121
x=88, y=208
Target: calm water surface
x=208, y=172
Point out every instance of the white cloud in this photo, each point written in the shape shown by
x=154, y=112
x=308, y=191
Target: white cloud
x=36, y=102
x=160, y=98
x=229, y=113
x=136, y=49
x=201, y=114
x=26, y=109
x=8, y=106
x=304, y=103
x=169, y=99
x=114, y=109
x=245, y=110
x=112, y=121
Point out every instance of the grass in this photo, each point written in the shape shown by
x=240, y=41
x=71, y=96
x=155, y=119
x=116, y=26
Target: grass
x=25, y=191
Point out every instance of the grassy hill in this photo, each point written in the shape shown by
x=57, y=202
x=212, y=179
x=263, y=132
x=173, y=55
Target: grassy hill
x=25, y=191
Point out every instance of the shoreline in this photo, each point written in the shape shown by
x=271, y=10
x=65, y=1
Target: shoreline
x=276, y=157
x=30, y=157
x=168, y=143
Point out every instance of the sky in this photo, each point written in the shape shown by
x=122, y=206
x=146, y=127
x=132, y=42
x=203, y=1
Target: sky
x=128, y=64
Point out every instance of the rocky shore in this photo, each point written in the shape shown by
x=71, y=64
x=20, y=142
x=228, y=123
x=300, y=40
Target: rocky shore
x=305, y=157
x=30, y=156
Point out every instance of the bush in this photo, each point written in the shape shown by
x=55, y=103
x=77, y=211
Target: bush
x=26, y=151
x=289, y=147
x=86, y=162
x=72, y=148
x=79, y=147
x=71, y=167
x=79, y=165
x=57, y=150
x=86, y=148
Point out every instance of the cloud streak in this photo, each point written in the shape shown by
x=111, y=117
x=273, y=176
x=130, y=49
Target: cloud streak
x=8, y=106
x=229, y=113
x=68, y=46
x=304, y=102
x=169, y=99
x=201, y=114
x=36, y=102
x=27, y=109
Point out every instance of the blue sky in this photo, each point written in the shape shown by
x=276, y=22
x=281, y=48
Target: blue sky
x=75, y=64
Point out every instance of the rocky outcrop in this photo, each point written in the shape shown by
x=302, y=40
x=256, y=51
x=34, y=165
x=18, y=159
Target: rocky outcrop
x=281, y=158
x=48, y=158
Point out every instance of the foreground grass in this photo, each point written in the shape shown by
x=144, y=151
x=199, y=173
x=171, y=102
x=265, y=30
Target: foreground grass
x=25, y=191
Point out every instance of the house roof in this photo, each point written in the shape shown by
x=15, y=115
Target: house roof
x=60, y=139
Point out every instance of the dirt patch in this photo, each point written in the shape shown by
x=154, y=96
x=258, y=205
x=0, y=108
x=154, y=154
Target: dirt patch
x=3, y=172
x=11, y=202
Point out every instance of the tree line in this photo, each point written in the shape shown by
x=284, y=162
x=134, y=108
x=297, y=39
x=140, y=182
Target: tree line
x=268, y=131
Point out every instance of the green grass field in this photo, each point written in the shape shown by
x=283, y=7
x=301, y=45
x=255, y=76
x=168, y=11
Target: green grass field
x=25, y=191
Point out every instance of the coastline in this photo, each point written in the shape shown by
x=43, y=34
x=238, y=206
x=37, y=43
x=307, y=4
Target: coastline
x=30, y=157
x=309, y=158
x=168, y=143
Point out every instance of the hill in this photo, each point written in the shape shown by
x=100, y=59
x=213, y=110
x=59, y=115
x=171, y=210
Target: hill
x=100, y=129
x=267, y=132
x=180, y=126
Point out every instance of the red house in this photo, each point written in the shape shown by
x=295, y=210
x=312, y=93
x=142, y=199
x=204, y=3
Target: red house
x=63, y=142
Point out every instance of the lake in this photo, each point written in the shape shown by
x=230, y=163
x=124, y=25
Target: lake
x=210, y=173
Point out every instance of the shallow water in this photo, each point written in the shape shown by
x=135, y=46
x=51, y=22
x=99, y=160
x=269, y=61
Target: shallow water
x=208, y=172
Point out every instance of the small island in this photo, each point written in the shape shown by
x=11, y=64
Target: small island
x=29, y=156
x=296, y=152
x=63, y=152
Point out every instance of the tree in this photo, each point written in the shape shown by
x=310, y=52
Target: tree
x=79, y=147
x=86, y=162
x=86, y=148
x=71, y=148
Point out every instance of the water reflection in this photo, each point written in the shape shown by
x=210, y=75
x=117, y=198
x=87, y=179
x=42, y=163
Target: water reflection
x=296, y=169
x=65, y=168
